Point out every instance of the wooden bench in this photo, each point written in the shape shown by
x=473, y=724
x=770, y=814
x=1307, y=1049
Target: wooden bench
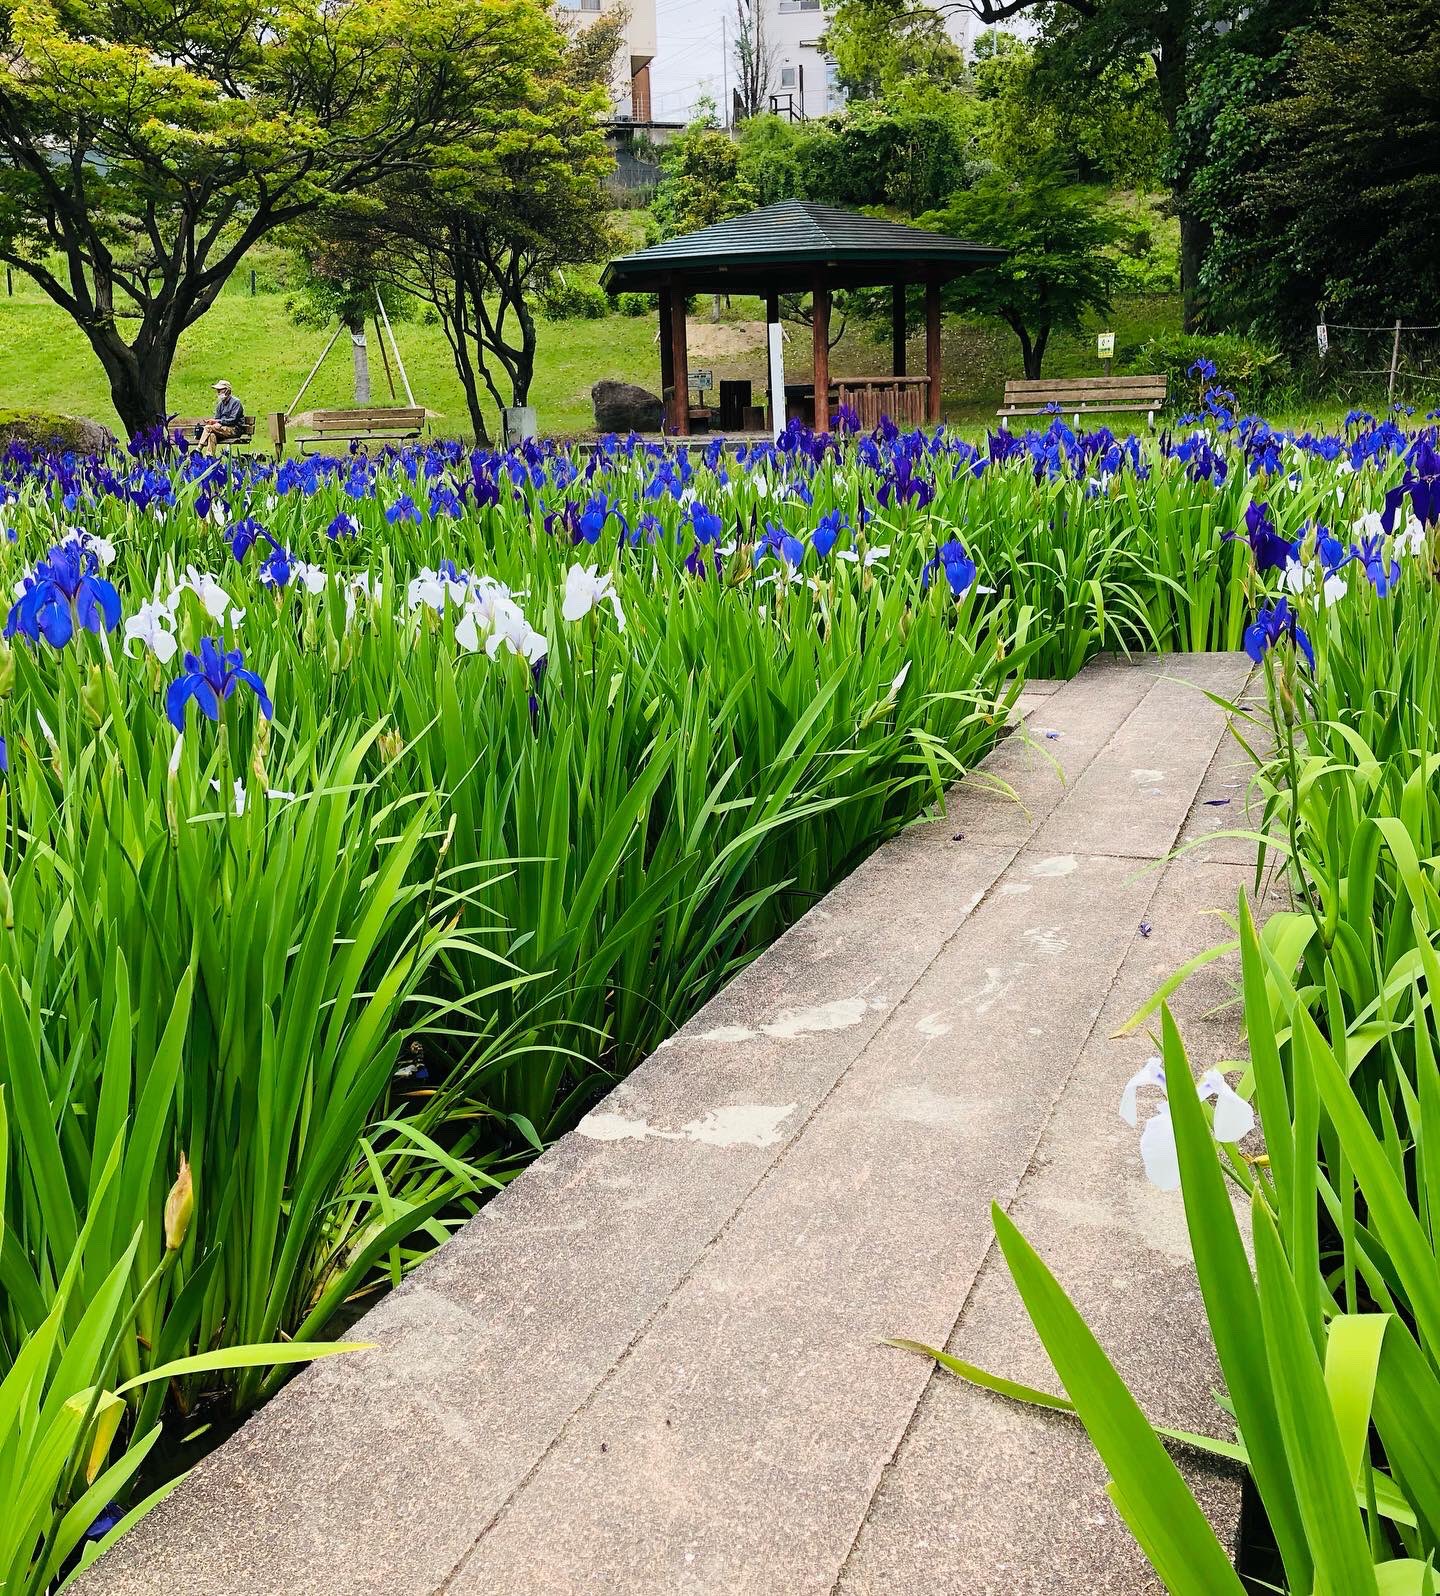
x=1082, y=395
x=188, y=427
x=325, y=427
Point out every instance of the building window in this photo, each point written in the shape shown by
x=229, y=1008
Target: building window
x=787, y=77
x=787, y=6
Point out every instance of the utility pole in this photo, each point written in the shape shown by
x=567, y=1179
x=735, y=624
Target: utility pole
x=725, y=67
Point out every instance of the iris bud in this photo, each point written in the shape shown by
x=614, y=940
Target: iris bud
x=179, y=1207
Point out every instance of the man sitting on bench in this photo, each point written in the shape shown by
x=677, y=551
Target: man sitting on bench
x=225, y=426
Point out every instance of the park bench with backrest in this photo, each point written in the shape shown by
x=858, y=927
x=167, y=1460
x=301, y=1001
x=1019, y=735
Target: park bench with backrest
x=322, y=428
x=1082, y=395
x=188, y=428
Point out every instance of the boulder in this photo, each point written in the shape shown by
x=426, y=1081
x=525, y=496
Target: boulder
x=626, y=407
x=40, y=429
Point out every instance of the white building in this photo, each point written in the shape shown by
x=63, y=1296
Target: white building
x=632, y=68
x=803, y=79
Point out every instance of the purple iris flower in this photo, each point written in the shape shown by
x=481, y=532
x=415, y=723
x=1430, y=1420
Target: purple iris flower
x=959, y=568
x=403, y=509
x=1273, y=623
x=1271, y=551
x=64, y=591
x=210, y=677
x=343, y=526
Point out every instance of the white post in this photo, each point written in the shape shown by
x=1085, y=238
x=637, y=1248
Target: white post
x=395, y=348
x=777, y=380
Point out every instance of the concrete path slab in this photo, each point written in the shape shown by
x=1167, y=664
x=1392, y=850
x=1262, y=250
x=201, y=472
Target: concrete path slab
x=654, y=1364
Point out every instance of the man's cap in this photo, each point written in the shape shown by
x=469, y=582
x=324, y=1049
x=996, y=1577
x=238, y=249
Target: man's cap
x=217, y=386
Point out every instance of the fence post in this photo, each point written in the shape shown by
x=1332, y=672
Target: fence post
x=1394, y=360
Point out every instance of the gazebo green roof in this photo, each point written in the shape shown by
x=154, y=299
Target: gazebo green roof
x=780, y=248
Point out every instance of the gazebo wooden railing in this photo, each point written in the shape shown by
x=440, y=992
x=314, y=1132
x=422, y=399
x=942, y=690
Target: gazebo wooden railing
x=799, y=248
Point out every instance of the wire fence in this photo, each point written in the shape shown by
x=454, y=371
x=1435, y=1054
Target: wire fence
x=1400, y=359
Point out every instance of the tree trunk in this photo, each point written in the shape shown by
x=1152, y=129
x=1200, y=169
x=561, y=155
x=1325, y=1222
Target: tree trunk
x=360, y=356
x=137, y=385
x=1035, y=354
x=1195, y=239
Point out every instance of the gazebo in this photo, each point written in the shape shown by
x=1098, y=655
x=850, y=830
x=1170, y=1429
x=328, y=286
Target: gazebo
x=796, y=247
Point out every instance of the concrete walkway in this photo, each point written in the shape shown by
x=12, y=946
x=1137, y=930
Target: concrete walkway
x=655, y=1364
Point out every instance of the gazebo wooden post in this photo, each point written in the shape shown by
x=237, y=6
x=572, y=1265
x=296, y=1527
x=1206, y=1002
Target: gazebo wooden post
x=680, y=365
x=820, y=326
x=932, y=349
x=667, y=353
x=897, y=330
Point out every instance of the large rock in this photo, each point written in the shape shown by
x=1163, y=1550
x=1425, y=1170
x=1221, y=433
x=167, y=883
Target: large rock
x=626, y=407
x=40, y=429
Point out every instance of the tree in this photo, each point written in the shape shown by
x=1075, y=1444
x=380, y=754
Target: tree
x=146, y=145
x=1056, y=268
x=754, y=59
x=703, y=181
x=340, y=277
x=483, y=232
x=1320, y=171
x=880, y=46
x=1105, y=128
x=1081, y=40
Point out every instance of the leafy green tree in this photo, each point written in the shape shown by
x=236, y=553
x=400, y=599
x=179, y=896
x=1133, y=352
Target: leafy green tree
x=145, y=146
x=485, y=230
x=339, y=275
x=907, y=155
x=1319, y=171
x=882, y=47
x=1104, y=129
x=703, y=181
x=1058, y=265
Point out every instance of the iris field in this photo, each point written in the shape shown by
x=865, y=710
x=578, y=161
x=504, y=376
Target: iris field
x=366, y=818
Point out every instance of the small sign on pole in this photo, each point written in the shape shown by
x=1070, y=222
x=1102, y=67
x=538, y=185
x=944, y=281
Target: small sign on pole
x=702, y=380
x=1105, y=347
x=1322, y=340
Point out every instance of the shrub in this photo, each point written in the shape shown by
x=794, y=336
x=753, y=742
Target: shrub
x=43, y=429
x=1253, y=371
x=574, y=299
x=636, y=304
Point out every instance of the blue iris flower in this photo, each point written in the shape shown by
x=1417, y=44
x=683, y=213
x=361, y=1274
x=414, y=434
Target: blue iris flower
x=64, y=591
x=4, y=757
x=829, y=529
x=403, y=509
x=777, y=540
x=244, y=535
x=1370, y=553
x=598, y=510
x=343, y=526
x=210, y=677
x=706, y=524
x=1272, y=624
x=279, y=566
x=959, y=568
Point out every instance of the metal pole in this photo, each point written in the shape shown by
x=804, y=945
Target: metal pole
x=725, y=69
x=311, y=378
x=1394, y=361
x=395, y=348
x=252, y=282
